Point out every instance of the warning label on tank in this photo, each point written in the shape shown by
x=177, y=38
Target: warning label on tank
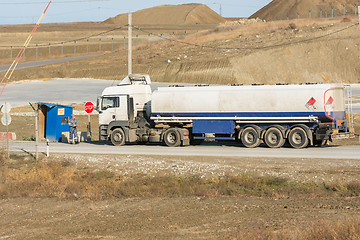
x=310, y=103
x=330, y=101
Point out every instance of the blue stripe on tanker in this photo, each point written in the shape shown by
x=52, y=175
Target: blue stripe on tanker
x=338, y=115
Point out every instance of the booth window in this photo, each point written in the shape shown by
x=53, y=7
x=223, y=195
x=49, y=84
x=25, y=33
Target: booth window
x=64, y=120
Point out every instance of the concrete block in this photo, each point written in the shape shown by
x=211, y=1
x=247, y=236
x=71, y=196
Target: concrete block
x=12, y=136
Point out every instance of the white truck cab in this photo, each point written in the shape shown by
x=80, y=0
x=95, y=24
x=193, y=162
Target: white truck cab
x=124, y=101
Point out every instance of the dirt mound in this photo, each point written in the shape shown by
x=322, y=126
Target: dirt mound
x=186, y=14
x=283, y=9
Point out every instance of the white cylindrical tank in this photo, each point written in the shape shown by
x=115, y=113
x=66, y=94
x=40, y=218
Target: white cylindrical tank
x=325, y=101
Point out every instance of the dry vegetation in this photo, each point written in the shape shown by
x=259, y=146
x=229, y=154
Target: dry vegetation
x=61, y=180
x=21, y=176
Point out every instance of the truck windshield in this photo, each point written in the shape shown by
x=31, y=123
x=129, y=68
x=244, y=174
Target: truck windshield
x=109, y=102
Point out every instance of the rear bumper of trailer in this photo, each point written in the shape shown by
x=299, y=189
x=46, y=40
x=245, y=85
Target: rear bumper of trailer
x=342, y=135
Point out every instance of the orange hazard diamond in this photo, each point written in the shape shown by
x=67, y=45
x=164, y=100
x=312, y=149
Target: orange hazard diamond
x=331, y=100
x=312, y=101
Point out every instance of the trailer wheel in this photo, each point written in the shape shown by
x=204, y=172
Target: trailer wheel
x=250, y=138
x=298, y=138
x=118, y=137
x=273, y=138
x=172, y=138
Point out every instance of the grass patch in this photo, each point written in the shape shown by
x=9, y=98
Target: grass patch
x=22, y=177
x=28, y=139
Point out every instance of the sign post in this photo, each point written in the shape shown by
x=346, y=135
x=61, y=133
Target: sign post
x=89, y=108
x=36, y=131
x=6, y=120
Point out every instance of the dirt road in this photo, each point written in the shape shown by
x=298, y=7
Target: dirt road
x=228, y=150
x=4, y=68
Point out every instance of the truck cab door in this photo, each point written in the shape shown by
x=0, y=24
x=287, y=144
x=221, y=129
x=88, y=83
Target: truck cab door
x=113, y=108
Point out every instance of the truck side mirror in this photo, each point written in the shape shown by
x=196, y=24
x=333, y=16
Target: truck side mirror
x=98, y=104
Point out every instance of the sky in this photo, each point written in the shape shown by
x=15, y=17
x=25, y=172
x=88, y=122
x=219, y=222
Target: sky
x=29, y=11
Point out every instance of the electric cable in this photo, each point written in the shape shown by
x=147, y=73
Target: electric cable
x=77, y=39
x=248, y=48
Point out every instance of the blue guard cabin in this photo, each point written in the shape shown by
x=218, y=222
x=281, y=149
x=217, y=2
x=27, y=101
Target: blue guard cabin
x=53, y=120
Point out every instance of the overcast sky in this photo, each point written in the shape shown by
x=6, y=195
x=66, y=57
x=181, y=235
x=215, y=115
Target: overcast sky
x=28, y=11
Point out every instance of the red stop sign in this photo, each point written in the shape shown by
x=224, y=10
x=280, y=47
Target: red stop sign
x=89, y=107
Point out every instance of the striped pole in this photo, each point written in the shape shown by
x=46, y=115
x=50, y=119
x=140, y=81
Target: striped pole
x=16, y=61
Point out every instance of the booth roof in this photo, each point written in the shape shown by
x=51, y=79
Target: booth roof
x=52, y=105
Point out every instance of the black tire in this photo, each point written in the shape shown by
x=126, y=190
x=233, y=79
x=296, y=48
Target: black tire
x=250, y=138
x=118, y=137
x=298, y=138
x=320, y=143
x=274, y=138
x=172, y=138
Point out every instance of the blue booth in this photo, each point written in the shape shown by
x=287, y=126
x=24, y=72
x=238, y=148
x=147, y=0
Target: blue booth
x=53, y=120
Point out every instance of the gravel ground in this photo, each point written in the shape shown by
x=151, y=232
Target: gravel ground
x=298, y=169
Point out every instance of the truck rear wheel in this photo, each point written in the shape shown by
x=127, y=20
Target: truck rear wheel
x=118, y=137
x=250, y=138
x=274, y=138
x=298, y=138
x=172, y=138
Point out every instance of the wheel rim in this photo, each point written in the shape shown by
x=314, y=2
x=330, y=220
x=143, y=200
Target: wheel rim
x=297, y=138
x=273, y=138
x=117, y=137
x=171, y=138
x=250, y=138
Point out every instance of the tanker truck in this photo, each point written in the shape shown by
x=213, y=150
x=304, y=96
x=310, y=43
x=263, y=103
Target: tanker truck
x=301, y=115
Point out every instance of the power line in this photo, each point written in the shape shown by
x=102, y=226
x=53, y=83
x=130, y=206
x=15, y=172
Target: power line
x=78, y=39
x=249, y=48
x=195, y=44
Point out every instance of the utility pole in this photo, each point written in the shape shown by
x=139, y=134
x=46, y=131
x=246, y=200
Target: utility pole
x=36, y=131
x=220, y=12
x=359, y=14
x=130, y=45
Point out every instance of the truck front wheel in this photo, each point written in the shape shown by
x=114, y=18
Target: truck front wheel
x=250, y=138
x=172, y=138
x=118, y=137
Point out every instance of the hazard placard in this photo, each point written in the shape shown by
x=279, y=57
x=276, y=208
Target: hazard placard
x=330, y=100
x=312, y=101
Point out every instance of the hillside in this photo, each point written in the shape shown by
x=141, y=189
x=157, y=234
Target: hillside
x=243, y=52
x=283, y=9
x=186, y=14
